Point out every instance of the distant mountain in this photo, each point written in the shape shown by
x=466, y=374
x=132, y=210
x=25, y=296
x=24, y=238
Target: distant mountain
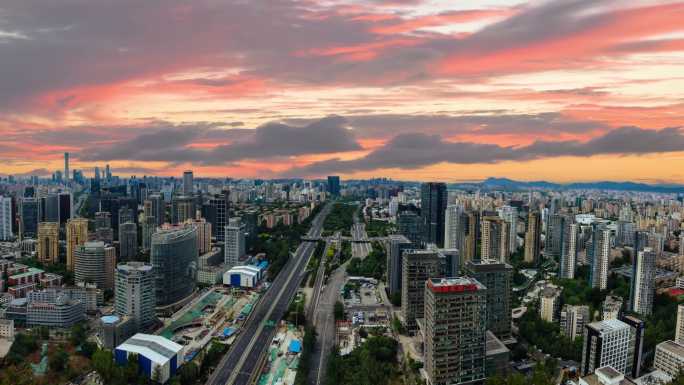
x=509, y=184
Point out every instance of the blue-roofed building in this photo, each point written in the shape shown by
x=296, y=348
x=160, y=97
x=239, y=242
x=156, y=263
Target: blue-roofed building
x=227, y=332
x=153, y=352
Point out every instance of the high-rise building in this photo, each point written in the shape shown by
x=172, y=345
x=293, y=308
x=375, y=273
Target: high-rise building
x=497, y=277
x=182, y=209
x=570, y=248
x=455, y=330
x=219, y=208
x=76, y=235
x=135, y=295
x=174, y=257
x=94, y=262
x=234, y=242
x=612, y=307
x=643, y=281
x=65, y=205
x=472, y=237
x=555, y=231
x=410, y=225
x=495, y=238
x=188, y=183
x=66, y=166
x=606, y=343
x=533, y=238
x=6, y=218
x=433, y=198
x=47, y=247
x=455, y=227
x=598, y=253
x=636, y=345
x=103, y=219
x=510, y=215
x=128, y=240
x=396, y=245
x=203, y=235
x=549, y=304
x=49, y=208
x=679, y=329
x=126, y=215
x=566, y=234
x=334, y=185
x=573, y=319
x=669, y=357
x=149, y=225
x=29, y=215
x=417, y=267
x=624, y=234
x=157, y=207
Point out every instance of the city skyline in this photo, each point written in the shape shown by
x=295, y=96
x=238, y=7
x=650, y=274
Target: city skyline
x=413, y=90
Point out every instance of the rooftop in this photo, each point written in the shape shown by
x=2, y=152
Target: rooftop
x=493, y=345
x=456, y=284
x=31, y=271
x=156, y=348
x=606, y=326
x=671, y=347
x=609, y=372
x=134, y=266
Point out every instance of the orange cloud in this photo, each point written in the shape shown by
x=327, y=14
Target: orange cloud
x=581, y=49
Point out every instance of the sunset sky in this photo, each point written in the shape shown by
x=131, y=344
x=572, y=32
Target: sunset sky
x=571, y=90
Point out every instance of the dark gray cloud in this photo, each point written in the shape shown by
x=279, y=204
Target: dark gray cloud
x=445, y=124
x=75, y=43
x=478, y=123
x=412, y=151
x=272, y=140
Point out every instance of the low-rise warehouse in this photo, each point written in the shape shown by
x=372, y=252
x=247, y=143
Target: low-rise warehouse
x=155, y=354
x=242, y=276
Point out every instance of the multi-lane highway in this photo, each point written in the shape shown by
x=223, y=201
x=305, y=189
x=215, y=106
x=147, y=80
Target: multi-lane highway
x=361, y=245
x=324, y=321
x=239, y=365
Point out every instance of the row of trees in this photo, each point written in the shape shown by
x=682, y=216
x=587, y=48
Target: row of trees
x=543, y=374
x=277, y=242
x=341, y=218
x=373, y=265
x=374, y=362
x=301, y=378
x=546, y=336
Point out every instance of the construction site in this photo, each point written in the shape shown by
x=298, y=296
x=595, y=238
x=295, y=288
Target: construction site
x=283, y=357
x=217, y=313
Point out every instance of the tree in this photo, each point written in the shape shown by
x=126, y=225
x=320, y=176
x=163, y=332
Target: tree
x=77, y=335
x=58, y=360
x=156, y=374
x=88, y=348
x=395, y=298
x=103, y=363
x=132, y=369
x=16, y=375
x=338, y=311
x=188, y=373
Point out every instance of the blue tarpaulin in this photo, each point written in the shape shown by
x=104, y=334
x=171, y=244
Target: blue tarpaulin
x=295, y=346
x=227, y=332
